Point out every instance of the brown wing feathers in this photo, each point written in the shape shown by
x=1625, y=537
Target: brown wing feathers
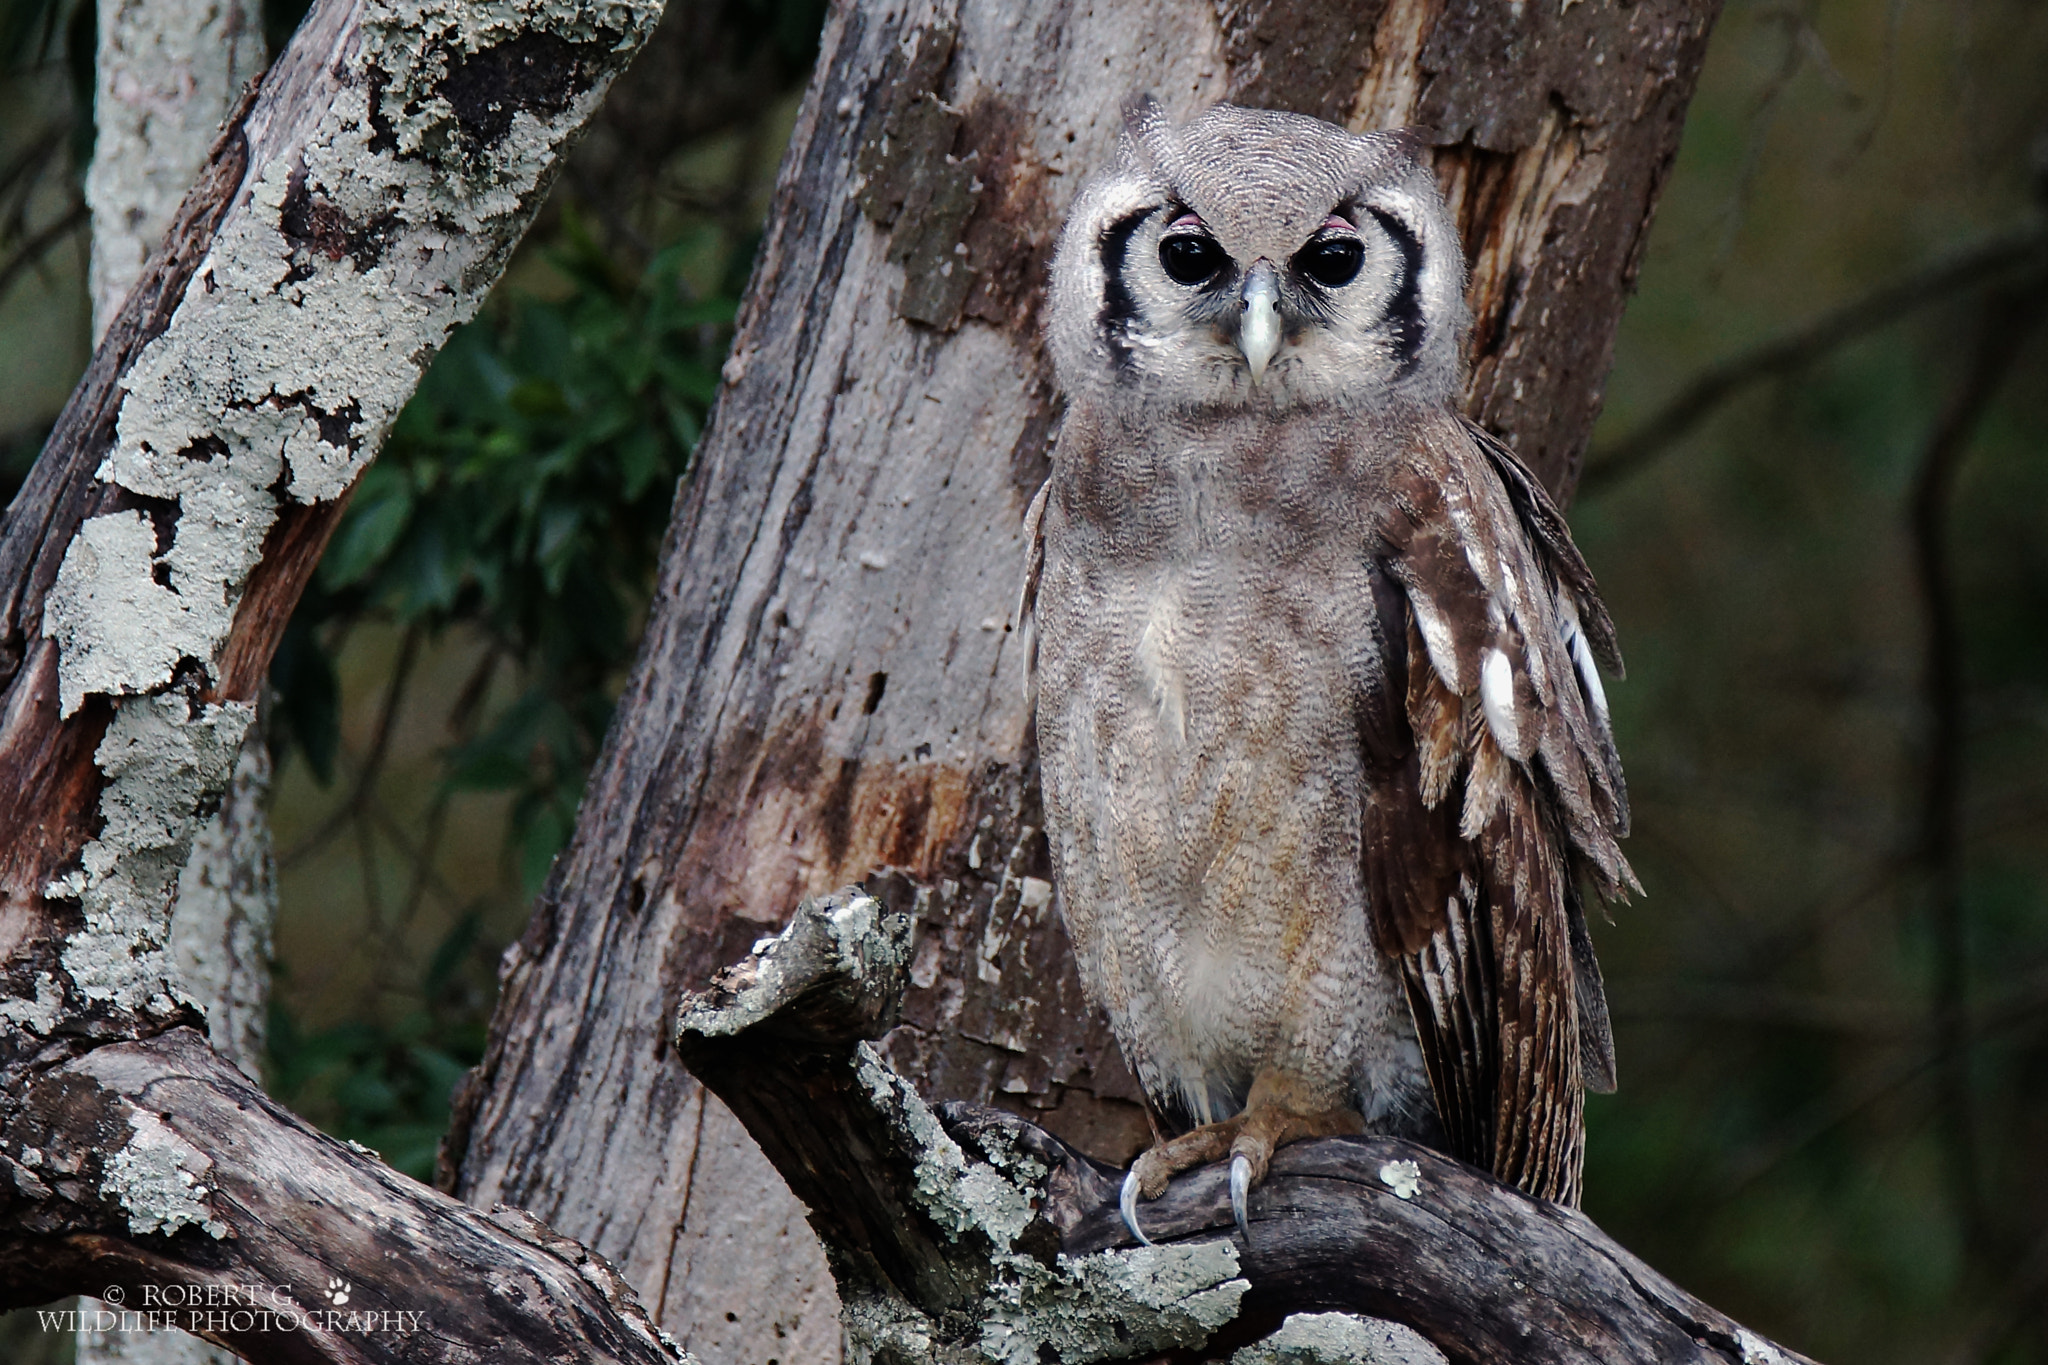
x=1508, y=789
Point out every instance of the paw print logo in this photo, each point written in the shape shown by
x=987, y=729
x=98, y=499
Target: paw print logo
x=338, y=1292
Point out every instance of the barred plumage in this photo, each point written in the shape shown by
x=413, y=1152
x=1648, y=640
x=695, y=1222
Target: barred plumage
x=1325, y=752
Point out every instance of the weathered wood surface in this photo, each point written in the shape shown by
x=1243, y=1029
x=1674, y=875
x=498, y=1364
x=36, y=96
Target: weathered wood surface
x=954, y=1224
x=828, y=684
x=358, y=206
x=297, y=1215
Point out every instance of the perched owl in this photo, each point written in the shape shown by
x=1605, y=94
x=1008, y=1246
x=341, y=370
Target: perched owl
x=1325, y=751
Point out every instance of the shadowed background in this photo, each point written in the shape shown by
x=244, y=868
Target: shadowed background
x=1817, y=503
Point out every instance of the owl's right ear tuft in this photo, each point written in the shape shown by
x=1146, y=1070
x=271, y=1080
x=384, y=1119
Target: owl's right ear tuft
x=1145, y=121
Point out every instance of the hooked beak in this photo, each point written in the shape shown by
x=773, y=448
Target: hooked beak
x=1258, y=335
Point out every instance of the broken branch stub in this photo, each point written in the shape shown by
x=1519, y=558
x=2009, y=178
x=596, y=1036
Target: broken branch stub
x=970, y=1235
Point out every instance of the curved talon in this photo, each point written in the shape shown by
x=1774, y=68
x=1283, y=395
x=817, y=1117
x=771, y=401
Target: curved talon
x=1240, y=1192
x=1129, y=1204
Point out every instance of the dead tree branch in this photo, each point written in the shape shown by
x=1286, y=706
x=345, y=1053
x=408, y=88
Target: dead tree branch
x=356, y=209
x=972, y=1235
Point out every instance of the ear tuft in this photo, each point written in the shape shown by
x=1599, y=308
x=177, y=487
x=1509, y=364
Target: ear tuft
x=1143, y=115
x=1145, y=126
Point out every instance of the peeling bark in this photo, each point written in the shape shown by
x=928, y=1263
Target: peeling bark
x=828, y=686
x=356, y=208
x=167, y=73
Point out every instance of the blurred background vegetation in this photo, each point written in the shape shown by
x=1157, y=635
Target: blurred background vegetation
x=1818, y=504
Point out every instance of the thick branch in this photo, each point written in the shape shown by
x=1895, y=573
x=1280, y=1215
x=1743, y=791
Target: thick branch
x=974, y=1221
x=280, y=1207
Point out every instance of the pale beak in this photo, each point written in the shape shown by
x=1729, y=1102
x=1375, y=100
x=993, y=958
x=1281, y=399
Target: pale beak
x=1258, y=335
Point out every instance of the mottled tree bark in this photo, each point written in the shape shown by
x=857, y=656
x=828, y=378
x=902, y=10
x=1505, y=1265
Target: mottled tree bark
x=167, y=73
x=829, y=685
x=354, y=211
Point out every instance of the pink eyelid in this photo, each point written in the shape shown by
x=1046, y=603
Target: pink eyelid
x=1187, y=220
x=1340, y=224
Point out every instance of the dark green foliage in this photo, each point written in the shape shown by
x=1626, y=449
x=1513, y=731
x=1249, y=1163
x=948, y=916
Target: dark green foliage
x=385, y=1085
x=523, y=492
x=521, y=498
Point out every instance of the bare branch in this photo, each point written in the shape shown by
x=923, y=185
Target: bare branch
x=972, y=1235
x=1936, y=283
x=355, y=210
x=2010, y=323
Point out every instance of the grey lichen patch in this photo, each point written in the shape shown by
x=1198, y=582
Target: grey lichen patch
x=289, y=357
x=220, y=935
x=1112, y=1305
x=158, y=1178
x=848, y=937
x=167, y=75
x=880, y=1330
x=40, y=1014
x=1340, y=1339
x=163, y=757
x=959, y=1195
x=1102, y=1307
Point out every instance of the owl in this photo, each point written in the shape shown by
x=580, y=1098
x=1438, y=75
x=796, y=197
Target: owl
x=1316, y=671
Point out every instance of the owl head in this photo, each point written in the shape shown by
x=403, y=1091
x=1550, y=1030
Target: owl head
x=1257, y=257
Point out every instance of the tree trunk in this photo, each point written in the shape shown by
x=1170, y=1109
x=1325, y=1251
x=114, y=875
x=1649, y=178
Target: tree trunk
x=355, y=210
x=828, y=686
x=168, y=72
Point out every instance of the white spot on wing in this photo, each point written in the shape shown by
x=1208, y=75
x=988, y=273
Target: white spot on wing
x=1497, y=696
x=1436, y=636
x=1582, y=657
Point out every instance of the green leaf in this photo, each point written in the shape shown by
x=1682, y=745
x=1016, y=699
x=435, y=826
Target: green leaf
x=376, y=518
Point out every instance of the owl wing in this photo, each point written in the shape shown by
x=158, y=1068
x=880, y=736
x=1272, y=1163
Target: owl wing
x=1494, y=790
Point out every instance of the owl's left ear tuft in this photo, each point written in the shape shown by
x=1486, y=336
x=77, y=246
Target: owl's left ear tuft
x=1400, y=144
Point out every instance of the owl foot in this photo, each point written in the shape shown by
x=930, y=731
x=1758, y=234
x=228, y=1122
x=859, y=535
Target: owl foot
x=1272, y=1117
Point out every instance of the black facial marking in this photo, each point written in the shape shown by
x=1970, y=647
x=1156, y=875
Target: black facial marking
x=1404, y=309
x=1118, y=307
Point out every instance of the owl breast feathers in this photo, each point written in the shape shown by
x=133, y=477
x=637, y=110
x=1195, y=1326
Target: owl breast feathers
x=1325, y=752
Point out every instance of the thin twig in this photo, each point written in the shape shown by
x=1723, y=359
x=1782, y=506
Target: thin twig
x=2008, y=1312
x=2009, y=324
x=461, y=727
x=1804, y=345
x=19, y=177
x=32, y=251
x=1839, y=1105
x=373, y=762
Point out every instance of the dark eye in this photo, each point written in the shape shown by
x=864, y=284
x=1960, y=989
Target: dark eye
x=1331, y=262
x=1191, y=259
